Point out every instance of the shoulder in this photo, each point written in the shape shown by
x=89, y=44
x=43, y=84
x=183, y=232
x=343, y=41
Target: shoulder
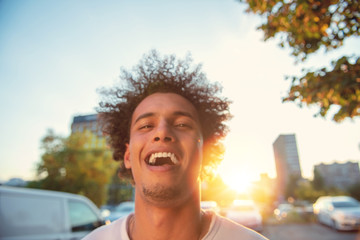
x=223, y=228
x=115, y=230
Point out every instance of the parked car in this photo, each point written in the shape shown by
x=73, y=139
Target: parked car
x=304, y=209
x=246, y=213
x=32, y=214
x=283, y=210
x=121, y=210
x=340, y=213
x=105, y=210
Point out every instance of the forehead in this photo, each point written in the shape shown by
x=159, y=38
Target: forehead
x=165, y=103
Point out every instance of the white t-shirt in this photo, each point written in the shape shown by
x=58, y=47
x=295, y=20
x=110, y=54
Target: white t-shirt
x=220, y=229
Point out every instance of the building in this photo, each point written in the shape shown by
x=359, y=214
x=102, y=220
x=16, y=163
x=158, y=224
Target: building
x=86, y=122
x=90, y=122
x=286, y=161
x=339, y=175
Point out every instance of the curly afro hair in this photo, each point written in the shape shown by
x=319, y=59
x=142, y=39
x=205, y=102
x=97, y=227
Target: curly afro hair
x=165, y=74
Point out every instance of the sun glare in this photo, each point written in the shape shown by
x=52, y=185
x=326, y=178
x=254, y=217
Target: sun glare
x=236, y=179
x=237, y=174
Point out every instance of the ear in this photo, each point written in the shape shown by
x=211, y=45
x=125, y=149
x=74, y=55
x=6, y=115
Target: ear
x=127, y=157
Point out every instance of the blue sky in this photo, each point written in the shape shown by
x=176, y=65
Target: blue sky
x=54, y=55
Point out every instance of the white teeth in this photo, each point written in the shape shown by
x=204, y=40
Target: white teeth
x=152, y=159
x=172, y=156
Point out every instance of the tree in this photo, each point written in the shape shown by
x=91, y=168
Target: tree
x=318, y=181
x=76, y=165
x=307, y=191
x=119, y=189
x=354, y=190
x=291, y=186
x=306, y=27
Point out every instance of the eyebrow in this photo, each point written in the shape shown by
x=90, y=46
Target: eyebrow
x=176, y=113
x=145, y=115
x=185, y=114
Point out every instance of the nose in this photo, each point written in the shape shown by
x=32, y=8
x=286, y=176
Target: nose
x=166, y=139
x=163, y=133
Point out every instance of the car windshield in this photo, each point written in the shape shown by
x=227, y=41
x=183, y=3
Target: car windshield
x=345, y=204
x=125, y=208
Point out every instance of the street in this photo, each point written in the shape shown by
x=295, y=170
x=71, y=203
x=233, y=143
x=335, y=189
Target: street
x=306, y=232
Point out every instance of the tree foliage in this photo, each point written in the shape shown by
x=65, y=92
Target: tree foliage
x=305, y=27
x=354, y=190
x=306, y=191
x=318, y=181
x=76, y=164
x=119, y=189
x=291, y=186
x=338, y=87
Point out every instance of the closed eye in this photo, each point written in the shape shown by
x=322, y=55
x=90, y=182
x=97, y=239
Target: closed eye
x=147, y=126
x=183, y=125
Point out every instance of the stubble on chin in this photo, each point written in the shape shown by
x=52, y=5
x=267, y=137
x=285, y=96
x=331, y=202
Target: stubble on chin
x=160, y=193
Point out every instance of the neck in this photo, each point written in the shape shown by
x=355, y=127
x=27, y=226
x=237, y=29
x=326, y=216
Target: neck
x=185, y=221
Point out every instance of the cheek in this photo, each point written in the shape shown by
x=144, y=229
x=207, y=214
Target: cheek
x=196, y=150
x=136, y=145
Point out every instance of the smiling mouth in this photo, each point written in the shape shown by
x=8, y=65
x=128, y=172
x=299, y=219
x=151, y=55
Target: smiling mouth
x=162, y=158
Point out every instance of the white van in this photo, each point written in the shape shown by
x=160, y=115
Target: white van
x=34, y=214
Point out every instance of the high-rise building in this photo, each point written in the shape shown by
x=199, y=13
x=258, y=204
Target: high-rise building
x=286, y=161
x=340, y=175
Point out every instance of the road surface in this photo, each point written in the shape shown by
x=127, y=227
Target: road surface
x=311, y=231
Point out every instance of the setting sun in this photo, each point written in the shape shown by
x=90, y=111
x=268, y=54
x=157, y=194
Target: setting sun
x=237, y=169
x=236, y=178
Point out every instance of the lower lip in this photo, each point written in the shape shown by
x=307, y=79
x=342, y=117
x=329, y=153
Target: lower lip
x=163, y=168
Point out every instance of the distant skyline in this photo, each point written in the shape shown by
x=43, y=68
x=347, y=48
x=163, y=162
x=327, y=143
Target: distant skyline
x=54, y=55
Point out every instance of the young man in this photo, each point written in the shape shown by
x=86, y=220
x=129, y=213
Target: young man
x=165, y=126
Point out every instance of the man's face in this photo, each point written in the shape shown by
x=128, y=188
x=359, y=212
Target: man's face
x=165, y=148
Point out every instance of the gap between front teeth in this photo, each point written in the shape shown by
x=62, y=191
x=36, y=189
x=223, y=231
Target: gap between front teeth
x=172, y=156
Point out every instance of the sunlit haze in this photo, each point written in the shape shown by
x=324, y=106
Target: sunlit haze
x=54, y=55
